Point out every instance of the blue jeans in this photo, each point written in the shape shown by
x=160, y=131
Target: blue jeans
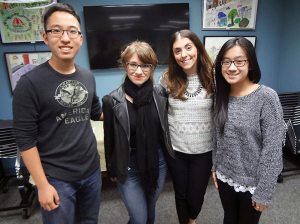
x=79, y=201
x=141, y=207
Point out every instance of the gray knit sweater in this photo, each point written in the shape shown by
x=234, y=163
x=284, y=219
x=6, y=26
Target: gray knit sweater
x=250, y=150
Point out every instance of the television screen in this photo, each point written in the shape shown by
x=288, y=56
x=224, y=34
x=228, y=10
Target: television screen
x=110, y=28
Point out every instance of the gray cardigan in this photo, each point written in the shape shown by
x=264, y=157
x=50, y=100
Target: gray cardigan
x=250, y=150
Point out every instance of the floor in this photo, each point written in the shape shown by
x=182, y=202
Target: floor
x=285, y=208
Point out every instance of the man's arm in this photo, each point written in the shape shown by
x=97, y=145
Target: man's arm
x=48, y=196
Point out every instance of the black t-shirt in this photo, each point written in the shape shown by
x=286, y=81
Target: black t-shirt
x=52, y=111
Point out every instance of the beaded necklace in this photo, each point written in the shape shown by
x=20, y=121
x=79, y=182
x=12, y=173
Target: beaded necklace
x=190, y=95
x=193, y=94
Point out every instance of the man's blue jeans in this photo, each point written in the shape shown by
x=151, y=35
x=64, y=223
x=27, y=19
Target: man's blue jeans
x=141, y=207
x=79, y=201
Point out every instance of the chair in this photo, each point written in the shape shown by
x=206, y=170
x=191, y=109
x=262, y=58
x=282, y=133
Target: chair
x=293, y=137
x=291, y=113
x=9, y=150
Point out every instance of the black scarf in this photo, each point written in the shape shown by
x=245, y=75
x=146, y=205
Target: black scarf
x=146, y=152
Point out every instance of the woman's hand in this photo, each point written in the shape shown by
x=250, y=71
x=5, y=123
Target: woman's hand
x=259, y=207
x=214, y=176
x=101, y=117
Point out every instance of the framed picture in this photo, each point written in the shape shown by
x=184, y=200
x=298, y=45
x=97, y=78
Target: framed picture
x=22, y=22
x=20, y=63
x=229, y=14
x=214, y=44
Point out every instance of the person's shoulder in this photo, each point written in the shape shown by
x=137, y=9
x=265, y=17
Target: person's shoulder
x=157, y=87
x=106, y=98
x=114, y=96
x=33, y=75
x=116, y=93
x=163, y=79
x=37, y=70
x=83, y=70
x=268, y=92
x=30, y=78
x=160, y=90
x=269, y=96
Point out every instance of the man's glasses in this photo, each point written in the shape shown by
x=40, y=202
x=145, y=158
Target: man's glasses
x=237, y=63
x=134, y=67
x=73, y=34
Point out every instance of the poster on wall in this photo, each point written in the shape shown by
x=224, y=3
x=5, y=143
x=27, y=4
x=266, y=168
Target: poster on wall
x=214, y=44
x=229, y=14
x=20, y=63
x=22, y=22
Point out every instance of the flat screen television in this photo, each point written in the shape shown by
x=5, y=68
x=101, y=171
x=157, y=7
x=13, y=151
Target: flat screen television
x=110, y=28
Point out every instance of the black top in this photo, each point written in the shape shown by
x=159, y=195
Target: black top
x=52, y=111
x=132, y=111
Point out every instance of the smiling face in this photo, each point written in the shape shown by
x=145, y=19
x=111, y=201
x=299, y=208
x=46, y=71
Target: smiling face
x=235, y=75
x=137, y=71
x=63, y=48
x=185, y=54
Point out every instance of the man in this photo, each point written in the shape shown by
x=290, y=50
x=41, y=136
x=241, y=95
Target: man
x=52, y=108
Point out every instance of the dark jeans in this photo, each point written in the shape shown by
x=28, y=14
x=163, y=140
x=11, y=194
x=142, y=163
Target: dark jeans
x=79, y=201
x=140, y=206
x=237, y=206
x=190, y=174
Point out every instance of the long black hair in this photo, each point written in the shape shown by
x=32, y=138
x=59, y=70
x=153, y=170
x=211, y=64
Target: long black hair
x=222, y=86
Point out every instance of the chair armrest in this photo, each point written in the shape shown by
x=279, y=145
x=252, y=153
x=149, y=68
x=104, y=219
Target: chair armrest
x=291, y=137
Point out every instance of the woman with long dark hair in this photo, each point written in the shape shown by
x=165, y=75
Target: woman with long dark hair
x=189, y=82
x=249, y=128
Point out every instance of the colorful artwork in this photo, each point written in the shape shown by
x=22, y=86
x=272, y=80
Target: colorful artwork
x=19, y=64
x=229, y=14
x=214, y=44
x=22, y=22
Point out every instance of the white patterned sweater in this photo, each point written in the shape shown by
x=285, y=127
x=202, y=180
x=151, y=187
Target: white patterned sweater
x=190, y=121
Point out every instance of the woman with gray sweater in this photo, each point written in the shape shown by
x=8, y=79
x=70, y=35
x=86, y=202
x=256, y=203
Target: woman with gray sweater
x=249, y=131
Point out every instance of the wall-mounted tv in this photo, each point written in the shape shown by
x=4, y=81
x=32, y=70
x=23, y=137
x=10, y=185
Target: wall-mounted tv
x=110, y=28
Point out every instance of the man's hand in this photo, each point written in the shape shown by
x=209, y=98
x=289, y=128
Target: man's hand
x=48, y=197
